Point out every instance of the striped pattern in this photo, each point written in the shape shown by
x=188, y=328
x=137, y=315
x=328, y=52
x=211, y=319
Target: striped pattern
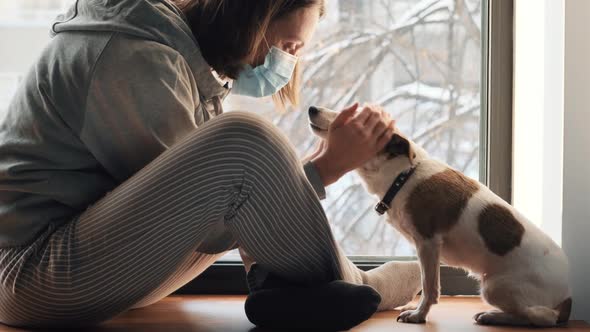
x=235, y=180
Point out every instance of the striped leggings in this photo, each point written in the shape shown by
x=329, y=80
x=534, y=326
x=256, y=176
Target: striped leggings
x=236, y=181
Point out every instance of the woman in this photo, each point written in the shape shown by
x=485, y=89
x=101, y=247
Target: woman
x=121, y=179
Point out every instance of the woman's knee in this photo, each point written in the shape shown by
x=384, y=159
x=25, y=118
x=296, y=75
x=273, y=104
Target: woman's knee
x=242, y=117
x=253, y=124
x=247, y=132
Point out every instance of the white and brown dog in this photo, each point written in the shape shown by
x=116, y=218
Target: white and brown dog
x=454, y=219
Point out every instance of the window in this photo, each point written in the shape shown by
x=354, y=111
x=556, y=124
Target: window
x=427, y=62
x=27, y=13
x=420, y=60
x=23, y=20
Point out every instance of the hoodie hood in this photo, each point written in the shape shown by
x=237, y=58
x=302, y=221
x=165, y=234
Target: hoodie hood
x=156, y=20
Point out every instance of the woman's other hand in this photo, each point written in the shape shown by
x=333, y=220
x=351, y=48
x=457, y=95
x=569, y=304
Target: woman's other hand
x=319, y=148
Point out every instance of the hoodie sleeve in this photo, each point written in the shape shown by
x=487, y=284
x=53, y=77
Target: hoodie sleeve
x=141, y=100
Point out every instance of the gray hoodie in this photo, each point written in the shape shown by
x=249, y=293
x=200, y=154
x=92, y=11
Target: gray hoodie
x=120, y=82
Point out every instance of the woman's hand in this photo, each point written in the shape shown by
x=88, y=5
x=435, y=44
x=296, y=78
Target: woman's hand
x=320, y=147
x=353, y=139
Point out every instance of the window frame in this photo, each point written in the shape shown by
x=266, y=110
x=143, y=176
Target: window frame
x=229, y=277
x=499, y=42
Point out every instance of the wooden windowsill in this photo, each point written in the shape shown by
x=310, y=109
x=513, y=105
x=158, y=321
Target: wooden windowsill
x=225, y=313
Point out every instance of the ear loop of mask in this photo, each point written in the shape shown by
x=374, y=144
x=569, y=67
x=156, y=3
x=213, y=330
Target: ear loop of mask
x=267, y=44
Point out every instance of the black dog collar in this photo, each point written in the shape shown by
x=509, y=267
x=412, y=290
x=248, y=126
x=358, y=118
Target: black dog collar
x=395, y=187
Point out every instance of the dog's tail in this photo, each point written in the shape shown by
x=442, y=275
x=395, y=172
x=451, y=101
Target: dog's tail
x=545, y=316
x=565, y=309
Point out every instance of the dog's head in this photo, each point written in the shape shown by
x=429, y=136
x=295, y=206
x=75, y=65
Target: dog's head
x=398, y=155
x=399, y=148
x=320, y=119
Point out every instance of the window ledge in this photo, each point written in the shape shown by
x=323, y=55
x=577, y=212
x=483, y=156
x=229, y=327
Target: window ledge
x=226, y=313
x=230, y=278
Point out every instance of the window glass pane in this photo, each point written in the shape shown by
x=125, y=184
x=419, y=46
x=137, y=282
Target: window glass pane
x=421, y=61
x=30, y=12
x=24, y=31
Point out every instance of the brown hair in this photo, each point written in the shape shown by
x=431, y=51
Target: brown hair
x=230, y=32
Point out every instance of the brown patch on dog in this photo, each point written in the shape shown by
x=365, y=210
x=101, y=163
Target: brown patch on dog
x=436, y=204
x=499, y=229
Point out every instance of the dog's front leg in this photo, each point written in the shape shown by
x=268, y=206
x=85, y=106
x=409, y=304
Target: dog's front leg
x=428, y=253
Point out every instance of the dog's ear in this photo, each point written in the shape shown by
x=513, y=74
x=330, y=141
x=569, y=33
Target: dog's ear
x=399, y=146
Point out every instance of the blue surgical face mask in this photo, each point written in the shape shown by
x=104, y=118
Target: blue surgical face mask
x=268, y=78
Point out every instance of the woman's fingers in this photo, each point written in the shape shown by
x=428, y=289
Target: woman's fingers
x=378, y=122
x=363, y=116
x=319, y=148
x=375, y=123
x=372, y=122
x=386, y=124
x=386, y=115
x=367, y=122
x=386, y=136
x=343, y=116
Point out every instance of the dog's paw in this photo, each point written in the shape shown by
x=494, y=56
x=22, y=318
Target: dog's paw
x=412, y=316
x=486, y=317
x=477, y=315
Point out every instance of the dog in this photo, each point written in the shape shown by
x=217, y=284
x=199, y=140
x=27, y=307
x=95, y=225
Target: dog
x=456, y=220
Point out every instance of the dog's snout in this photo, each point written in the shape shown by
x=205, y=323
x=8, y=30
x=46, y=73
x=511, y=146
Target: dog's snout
x=313, y=111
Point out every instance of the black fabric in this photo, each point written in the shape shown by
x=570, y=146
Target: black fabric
x=278, y=305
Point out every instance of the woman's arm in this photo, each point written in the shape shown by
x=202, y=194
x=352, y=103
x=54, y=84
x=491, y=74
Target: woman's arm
x=326, y=170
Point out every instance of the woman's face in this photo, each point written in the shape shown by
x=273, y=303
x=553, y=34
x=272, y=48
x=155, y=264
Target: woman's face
x=290, y=33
